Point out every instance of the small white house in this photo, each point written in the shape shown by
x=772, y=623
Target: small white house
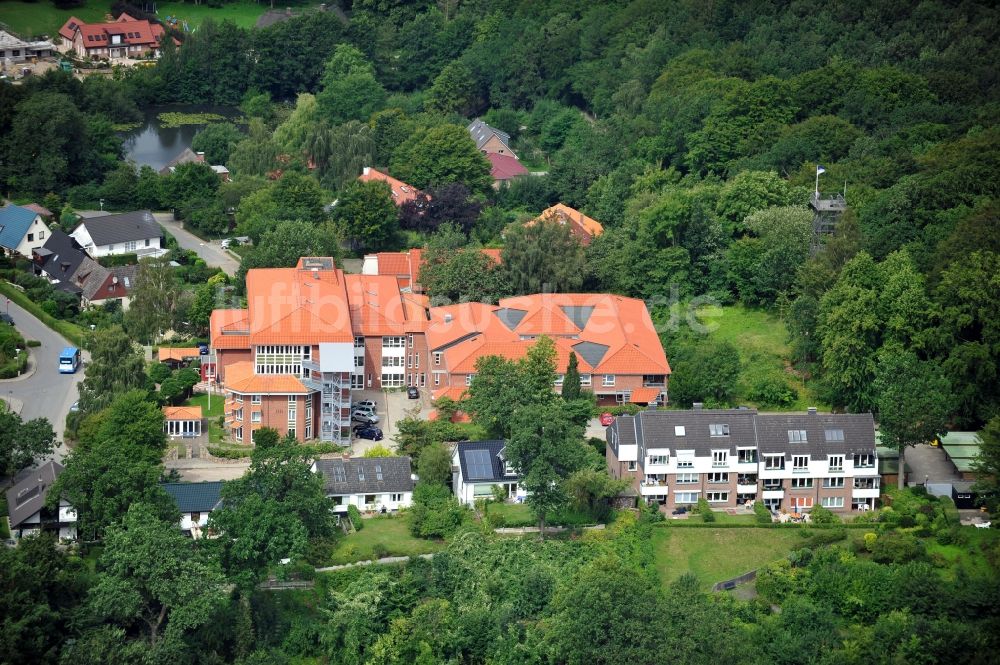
x=195, y=501
x=22, y=231
x=372, y=484
x=478, y=467
x=26, y=508
x=128, y=233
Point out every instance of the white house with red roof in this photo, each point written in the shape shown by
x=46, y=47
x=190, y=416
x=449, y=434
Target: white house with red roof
x=401, y=192
x=126, y=37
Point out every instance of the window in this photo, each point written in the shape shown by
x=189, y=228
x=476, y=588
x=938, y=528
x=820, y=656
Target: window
x=238, y=414
x=631, y=466
x=396, y=498
x=359, y=342
x=686, y=497
x=609, y=380
x=195, y=517
x=717, y=497
x=281, y=359
x=378, y=472
x=437, y=378
x=468, y=379
x=130, y=246
x=800, y=502
x=797, y=436
x=41, y=235
x=255, y=416
x=659, y=459
x=746, y=456
x=832, y=502
x=409, y=340
x=718, y=430
x=678, y=430
x=409, y=360
x=147, y=242
x=238, y=433
x=359, y=361
x=718, y=477
x=559, y=379
x=111, y=248
x=393, y=380
x=392, y=361
x=394, y=342
x=370, y=499
x=864, y=461
x=831, y=483
x=686, y=478
x=866, y=483
x=720, y=457
x=774, y=462
x=833, y=435
x=773, y=484
x=836, y=462
x=585, y=379
x=416, y=360
x=800, y=463
x=437, y=357
x=31, y=237
x=802, y=483
x=255, y=399
x=238, y=397
x=685, y=460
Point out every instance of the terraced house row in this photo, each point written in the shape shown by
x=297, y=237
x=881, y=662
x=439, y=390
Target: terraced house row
x=734, y=456
x=312, y=335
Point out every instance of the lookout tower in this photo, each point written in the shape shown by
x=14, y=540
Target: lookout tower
x=827, y=209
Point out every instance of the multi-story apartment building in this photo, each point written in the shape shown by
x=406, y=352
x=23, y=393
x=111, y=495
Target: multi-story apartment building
x=311, y=334
x=733, y=456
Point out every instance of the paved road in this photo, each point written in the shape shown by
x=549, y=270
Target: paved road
x=210, y=251
x=45, y=393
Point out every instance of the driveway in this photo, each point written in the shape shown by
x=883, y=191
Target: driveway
x=928, y=463
x=209, y=250
x=43, y=391
x=392, y=407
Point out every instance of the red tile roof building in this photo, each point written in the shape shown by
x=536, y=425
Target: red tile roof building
x=401, y=192
x=583, y=227
x=311, y=335
x=405, y=266
x=127, y=37
x=504, y=167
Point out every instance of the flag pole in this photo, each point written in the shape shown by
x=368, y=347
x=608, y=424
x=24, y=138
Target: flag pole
x=817, y=181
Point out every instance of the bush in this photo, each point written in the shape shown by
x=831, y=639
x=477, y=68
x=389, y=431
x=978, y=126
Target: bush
x=771, y=390
x=159, y=372
x=821, y=515
x=34, y=343
x=228, y=453
x=355, y=516
x=116, y=260
x=705, y=510
x=762, y=514
x=435, y=513
x=819, y=537
x=379, y=551
x=896, y=548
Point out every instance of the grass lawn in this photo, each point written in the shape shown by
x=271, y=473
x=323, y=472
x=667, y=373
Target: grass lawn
x=519, y=514
x=971, y=557
x=393, y=533
x=215, y=432
x=30, y=19
x=715, y=555
x=725, y=518
x=762, y=340
x=242, y=13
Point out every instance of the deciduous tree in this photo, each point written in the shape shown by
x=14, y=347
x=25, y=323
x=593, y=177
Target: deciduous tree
x=22, y=443
x=543, y=257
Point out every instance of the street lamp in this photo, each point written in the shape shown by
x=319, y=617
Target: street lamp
x=102, y=205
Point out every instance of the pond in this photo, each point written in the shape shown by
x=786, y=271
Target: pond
x=154, y=144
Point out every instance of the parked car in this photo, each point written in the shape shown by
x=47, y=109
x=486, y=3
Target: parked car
x=680, y=511
x=368, y=432
x=364, y=416
x=75, y=406
x=412, y=393
x=6, y=318
x=366, y=403
x=203, y=348
x=607, y=419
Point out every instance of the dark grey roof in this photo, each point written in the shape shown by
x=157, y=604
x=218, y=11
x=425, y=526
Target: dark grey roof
x=366, y=475
x=858, y=433
x=28, y=495
x=578, y=314
x=747, y=429
x=113, y=229
x=195, y=497
x=187, y=156
x=510, y=317
x=126, y=275
x=481, y=133
x=60, y=256
x=473, y=454
x=591, y=352
x=90, y=276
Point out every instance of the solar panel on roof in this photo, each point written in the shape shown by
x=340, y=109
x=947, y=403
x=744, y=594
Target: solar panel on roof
x=479, y=464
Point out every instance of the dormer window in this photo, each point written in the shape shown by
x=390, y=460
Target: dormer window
x=797, y=436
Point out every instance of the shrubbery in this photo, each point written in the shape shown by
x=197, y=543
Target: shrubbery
x=435, y=513
x=354, y=515
x=762, y=514
x=705, y=510
x=821, y=515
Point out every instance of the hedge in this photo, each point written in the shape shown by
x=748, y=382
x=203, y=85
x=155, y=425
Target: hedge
x=70, y=331
x=684, y=524
x=229, y=453
x=117, y=260
x=355, y=516
x=15, y=367
x=33, y=343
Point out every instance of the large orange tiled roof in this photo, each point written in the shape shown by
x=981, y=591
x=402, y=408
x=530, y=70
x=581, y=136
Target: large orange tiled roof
x=378, y=307
x=401, y=192
x=240, y=378
x=229, y=329
x=609, y=334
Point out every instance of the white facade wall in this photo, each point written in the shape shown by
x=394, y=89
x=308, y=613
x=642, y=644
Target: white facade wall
x=38, y=232
x=382, y=500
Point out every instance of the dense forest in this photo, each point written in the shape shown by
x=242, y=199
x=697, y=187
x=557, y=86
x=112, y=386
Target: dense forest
x=693, y=131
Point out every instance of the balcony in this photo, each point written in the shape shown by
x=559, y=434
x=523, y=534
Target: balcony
x=746, y=479
x=653, y=490
x=746, y=488
x=773, y=494
x=654, y=381
x=872, y=493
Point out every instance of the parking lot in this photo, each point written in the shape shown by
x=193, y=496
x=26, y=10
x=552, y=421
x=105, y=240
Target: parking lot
x=391, y=407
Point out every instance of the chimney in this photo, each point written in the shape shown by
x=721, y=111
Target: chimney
x=697, y=406
x=812, y=410
x=315, y=272
x=447, y=318
x=366, y=170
